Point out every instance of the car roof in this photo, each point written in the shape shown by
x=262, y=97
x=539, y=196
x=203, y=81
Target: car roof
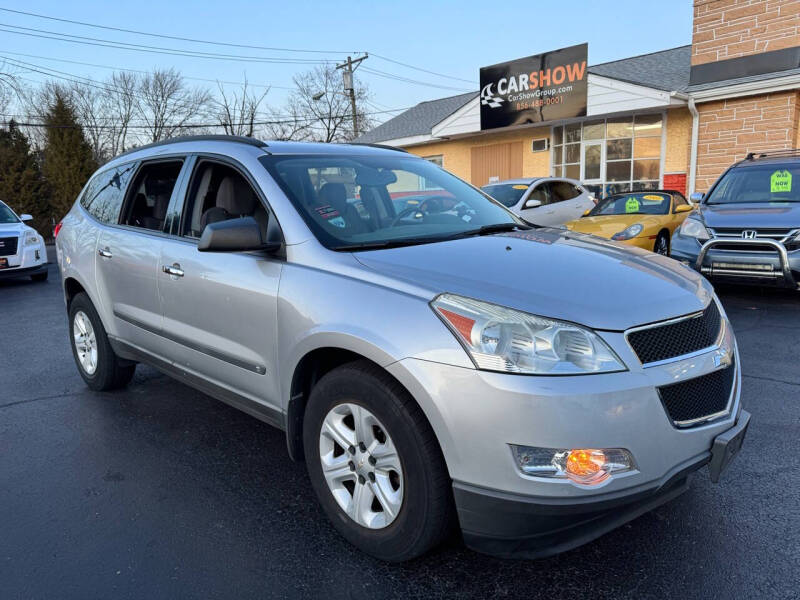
x=221, y=143
x=525, y=180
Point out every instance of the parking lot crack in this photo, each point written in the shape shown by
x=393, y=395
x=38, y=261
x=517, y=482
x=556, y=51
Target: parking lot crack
x=795, y=383
x=29, y=400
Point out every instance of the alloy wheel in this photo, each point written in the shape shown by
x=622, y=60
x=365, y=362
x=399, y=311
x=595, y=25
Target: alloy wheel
x=662, y=246
x=361, y=466
x=85, y=342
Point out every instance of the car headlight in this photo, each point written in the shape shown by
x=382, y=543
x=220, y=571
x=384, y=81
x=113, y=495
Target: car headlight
x=511, y=341
x=629, y=232
x=31, y=238
x=584, y=466
x=694, y=228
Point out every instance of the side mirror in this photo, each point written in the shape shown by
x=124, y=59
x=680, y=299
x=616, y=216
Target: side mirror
x=26, y=217
x=696, y=197
x=234, y=235
x=532, y=203
x=682, y=208
x=586, y=212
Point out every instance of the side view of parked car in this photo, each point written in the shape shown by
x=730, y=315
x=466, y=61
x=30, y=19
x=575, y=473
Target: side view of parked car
x=643, y=219
x=22, y=249
x=543, y=200
x=420, y=378
x=746, y=229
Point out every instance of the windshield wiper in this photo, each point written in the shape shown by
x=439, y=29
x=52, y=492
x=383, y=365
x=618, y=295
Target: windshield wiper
x=489, y=229
x=386, y=244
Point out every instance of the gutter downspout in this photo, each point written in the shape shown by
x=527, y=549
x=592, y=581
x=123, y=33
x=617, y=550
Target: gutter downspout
x=693, y=148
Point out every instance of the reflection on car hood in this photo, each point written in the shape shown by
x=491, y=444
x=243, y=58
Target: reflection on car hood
x=778, y=215
x=553, y=273
x=607, y=225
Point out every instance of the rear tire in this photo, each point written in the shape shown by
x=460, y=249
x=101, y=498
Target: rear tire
x=662, y=244
x=39, y=276
x=417, y=475
x=97, y=363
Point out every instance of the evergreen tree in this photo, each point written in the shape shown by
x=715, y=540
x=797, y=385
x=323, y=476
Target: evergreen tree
x=21, y=183
x=67, y=160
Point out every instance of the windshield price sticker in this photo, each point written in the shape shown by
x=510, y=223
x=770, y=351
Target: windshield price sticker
x=653, y=197
x=780, y=181
x=631, y=205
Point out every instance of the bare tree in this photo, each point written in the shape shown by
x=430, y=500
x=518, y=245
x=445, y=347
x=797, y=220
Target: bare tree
x=287, y=124
x=319, y=109
x=165, y=103
x=120, y=107
x=10, y=87
x=89, y=99
x=237, y=111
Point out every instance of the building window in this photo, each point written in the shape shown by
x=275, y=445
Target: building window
x=424, y=184
x=610, y=155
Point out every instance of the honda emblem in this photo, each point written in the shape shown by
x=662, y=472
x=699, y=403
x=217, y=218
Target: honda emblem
x=749, y=234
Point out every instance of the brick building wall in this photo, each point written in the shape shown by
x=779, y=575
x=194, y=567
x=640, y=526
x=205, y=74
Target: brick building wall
x=726, y=29
x=731, y=128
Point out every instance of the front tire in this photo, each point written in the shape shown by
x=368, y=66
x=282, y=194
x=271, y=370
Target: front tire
x=97, y=363
x=375, y=464
x=662, y=244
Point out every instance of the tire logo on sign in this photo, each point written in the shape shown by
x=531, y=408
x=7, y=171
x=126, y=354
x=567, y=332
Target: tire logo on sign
x=488, y=98
x=748, y=234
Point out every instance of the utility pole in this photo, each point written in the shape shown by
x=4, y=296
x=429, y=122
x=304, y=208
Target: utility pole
x=349, y=86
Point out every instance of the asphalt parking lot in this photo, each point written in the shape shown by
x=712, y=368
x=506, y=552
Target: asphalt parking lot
x=158, y=491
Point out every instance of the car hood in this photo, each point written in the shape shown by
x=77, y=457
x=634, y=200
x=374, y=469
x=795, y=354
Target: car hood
x=12, y=228
x=554, y=273
x=778, y=215
x=608, y=225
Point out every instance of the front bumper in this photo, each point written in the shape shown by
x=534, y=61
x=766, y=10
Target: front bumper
x=11, y=273
x=28, y=260
x=477, y=414
x=780, y=268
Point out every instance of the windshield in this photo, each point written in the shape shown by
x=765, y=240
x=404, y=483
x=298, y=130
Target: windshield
x=641, y=203
x=764, y=183
x=7, y=215
x=356, y=202
x=507, y=194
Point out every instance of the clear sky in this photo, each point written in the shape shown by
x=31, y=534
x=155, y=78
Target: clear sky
x=453, y=38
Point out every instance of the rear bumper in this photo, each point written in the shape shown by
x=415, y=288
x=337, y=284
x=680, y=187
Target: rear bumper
x=22, y=272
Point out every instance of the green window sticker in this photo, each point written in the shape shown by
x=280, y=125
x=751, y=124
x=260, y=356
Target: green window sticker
x=780, y=181
x=632, y=205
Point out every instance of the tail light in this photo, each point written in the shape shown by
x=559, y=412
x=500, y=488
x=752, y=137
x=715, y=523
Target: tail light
x=56, y=229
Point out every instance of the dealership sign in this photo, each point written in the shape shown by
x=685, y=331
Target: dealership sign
x=545, y=87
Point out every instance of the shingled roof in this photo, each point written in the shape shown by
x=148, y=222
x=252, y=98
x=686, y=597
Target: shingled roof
x=664, y=70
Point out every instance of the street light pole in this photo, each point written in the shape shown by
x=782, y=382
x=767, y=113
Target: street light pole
x=349, y=86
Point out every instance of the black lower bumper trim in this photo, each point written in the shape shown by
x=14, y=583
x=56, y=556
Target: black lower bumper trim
x=10, y=272
x=514, y=527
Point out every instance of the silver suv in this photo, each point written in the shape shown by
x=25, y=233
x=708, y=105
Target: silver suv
x=436, y=364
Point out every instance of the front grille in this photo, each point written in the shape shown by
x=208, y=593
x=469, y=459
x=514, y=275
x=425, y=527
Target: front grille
x=691, y=401
x=788, y=237
x=660, y=342
x=8, y=246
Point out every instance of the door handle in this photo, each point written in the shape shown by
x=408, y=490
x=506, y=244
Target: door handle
x=105, y=252
x=175, y=270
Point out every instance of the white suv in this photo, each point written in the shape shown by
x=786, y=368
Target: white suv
x=22, y=251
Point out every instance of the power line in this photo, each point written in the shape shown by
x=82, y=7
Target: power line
x=90, y=41
x=86, y=64
x=174, y=37
x=229, y=44
x=409, y=80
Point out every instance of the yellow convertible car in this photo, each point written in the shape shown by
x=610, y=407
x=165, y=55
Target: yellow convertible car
x=645, y=219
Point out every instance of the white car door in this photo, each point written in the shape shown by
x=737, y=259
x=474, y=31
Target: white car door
x=535, y=205
x=569, y=200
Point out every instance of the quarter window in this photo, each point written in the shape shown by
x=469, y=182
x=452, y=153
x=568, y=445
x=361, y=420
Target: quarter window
x=103, y=196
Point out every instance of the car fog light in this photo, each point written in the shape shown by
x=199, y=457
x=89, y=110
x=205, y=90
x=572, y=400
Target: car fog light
x=585, y=466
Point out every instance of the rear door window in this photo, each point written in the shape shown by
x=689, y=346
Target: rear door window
x=562, y=190
x=148, y=198
x=103, y=196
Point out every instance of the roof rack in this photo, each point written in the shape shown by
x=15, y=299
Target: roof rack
x=383, y=146
x=199, y=138
x=772, y=153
